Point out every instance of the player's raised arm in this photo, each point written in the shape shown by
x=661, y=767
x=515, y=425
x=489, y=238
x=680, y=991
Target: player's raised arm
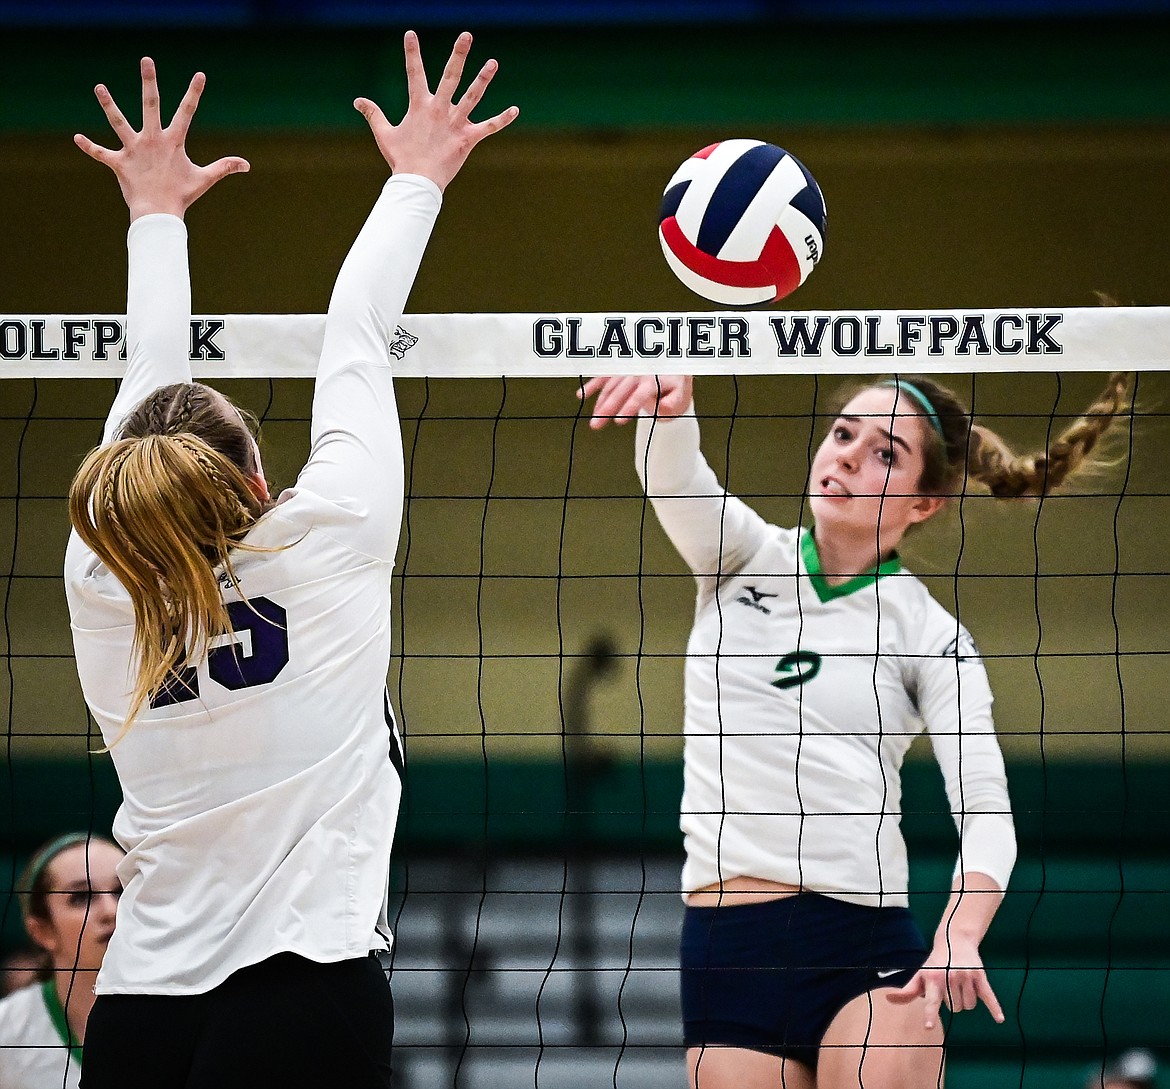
x=159, y=183
x=356, y=457
x=437, y=134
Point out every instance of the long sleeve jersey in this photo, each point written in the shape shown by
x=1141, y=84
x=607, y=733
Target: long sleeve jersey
x=802, y=699
x=35, y=1050
x=261, y=794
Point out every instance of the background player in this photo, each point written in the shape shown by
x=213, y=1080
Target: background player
x=801, y=964
x=234, y=649
x=69, y=899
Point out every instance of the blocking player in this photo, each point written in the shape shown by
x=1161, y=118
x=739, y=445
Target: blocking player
x=233, y=646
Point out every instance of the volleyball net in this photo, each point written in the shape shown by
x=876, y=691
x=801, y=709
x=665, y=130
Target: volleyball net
x=541, y=619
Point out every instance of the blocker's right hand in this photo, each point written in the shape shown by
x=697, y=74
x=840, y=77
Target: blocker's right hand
x=620, y=397
x=152, y=166
x=437, y=134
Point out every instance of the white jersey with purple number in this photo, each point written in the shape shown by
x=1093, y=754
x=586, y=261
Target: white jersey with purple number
x=802, y=699
x=261, y=794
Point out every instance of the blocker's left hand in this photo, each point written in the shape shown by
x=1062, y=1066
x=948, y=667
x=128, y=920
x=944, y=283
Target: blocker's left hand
x=941, y=981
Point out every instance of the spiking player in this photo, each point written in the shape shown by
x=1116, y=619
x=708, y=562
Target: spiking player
x=233, y=649
x=814, y=660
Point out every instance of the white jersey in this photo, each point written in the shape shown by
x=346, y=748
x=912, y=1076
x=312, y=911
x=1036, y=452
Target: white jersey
x=260, y=800
x=34, y=1041
x=802, y=699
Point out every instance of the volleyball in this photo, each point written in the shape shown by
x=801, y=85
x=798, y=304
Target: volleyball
x=742, y=222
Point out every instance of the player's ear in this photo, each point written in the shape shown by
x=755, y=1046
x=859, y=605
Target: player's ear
x=259, y=486
x=42, y=932
x=926, y=507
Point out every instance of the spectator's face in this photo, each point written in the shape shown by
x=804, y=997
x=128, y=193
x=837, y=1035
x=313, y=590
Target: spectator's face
x=82, y=900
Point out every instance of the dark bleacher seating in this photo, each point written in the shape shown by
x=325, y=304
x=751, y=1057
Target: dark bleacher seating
x=534, y=938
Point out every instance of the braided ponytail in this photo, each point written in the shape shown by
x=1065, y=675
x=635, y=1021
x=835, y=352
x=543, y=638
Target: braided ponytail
x=163, y=510
x=1008, y=475
x=957, y=450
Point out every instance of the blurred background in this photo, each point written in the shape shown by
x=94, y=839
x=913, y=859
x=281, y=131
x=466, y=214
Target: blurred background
x=972, y=154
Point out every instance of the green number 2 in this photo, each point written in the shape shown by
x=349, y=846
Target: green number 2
x=800, y=666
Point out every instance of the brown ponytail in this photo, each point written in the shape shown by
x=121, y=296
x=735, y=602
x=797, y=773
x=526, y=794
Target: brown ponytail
x=163, y=512
x=1008, y=475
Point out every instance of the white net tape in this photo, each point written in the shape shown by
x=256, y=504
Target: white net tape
x=556, y=345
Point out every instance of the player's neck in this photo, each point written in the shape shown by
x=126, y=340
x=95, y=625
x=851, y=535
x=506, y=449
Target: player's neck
x=845, y=556
x=75, y=993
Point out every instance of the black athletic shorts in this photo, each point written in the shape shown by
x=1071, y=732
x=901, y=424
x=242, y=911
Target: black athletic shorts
x=770, y=977
x=286, y=1022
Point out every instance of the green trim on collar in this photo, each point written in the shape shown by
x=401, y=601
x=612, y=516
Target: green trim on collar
x=60, y=1021
x=825, y=592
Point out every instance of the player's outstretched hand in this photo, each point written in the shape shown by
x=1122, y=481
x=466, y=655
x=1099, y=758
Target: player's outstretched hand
x=152, y=166
x=437, y=133
x=959, y=988
x=621, y=397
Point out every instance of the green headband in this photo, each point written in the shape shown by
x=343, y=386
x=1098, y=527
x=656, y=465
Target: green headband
x=40, y=861
x=923, y=401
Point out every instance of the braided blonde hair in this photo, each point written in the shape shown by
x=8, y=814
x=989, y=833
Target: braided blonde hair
x=1008, y=475
x=163, y=511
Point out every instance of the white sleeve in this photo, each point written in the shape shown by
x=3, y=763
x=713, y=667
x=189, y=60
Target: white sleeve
x=714, y=532
x=356, y=457
x=158, y=328
x=158, y=314
x=954, y=699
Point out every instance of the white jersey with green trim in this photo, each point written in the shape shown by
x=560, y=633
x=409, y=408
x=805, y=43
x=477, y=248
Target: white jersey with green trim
x=260, y=796
x=34, y=1041
x=802, y=699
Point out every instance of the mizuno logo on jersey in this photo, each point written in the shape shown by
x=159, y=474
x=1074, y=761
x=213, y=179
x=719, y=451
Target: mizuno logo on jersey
x=401, y=342
x=753, y=597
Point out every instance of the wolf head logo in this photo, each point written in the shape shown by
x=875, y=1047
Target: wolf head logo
x=401, y=342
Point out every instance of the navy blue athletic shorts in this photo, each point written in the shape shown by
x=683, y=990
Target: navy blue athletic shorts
x=286, y=1021
x=771, y=976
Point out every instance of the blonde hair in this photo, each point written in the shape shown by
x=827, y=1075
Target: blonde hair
x=958, y=450
x=163, y=510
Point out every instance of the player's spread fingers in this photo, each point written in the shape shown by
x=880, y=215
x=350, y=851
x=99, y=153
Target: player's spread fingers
x=453, y=70
x=150, y=101
x=116, y=118
x=493, y=124
x=373, y=114
x=181, y=122
x=229, y=164
x=94, y=151
x=475, y=91
x=416, y=76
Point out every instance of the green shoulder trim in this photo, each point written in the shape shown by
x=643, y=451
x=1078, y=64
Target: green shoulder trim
x=825, y=592
x=60, y=1021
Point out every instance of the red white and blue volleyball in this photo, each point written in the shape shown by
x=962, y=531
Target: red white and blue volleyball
x=742, y=222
